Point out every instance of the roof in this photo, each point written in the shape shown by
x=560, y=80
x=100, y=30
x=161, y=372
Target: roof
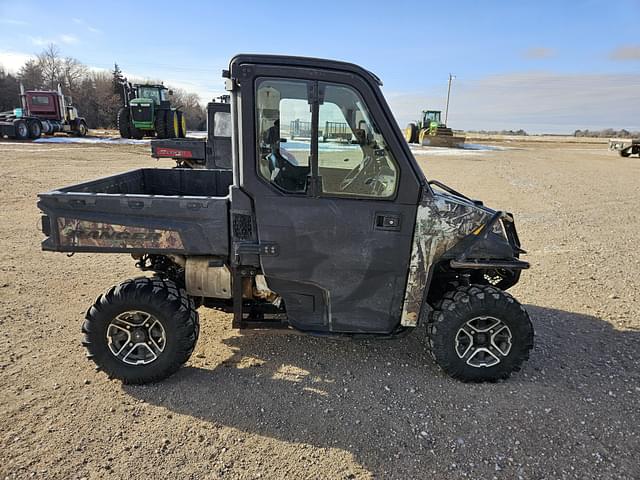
x=291, y=61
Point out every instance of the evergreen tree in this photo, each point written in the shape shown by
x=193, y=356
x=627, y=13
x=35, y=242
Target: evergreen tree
x=118, y=80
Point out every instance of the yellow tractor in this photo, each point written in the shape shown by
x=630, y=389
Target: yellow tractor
x=430, y=131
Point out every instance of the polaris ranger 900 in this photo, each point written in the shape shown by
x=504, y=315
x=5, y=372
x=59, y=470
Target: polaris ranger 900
x=350, y=239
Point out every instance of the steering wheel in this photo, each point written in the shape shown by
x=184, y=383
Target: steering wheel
x=357, y=173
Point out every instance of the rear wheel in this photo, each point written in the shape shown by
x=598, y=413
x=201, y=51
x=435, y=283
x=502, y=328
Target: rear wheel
x=124, y=122
x=182, y=124
x=35, y=129
x=411, y=133
x=21, y=129
x=141, y=330
x=161, y=124
x=479, y=333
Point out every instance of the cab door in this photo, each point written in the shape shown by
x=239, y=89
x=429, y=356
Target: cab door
x=333, y=194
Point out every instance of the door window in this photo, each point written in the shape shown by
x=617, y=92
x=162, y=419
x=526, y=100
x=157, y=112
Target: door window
x=353, y=158
x=283, y=118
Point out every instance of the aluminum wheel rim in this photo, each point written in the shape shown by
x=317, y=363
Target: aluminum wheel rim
x=136, y=337
x=483, y=341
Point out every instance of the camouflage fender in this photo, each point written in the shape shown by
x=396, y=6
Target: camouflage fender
x=441, y=222
x=82, y=233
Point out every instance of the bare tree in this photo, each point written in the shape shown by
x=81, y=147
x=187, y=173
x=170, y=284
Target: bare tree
x=72, y=72
x=51, y=65
x=189, y=103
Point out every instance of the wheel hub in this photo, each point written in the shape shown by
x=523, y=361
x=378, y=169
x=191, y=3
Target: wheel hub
x=136, y=337
x=483, y=341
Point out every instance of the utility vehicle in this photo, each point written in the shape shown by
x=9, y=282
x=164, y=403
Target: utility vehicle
x=353, y=242
x=147, y=111
x=42, y=112
x=211, y=152
x=625, y=146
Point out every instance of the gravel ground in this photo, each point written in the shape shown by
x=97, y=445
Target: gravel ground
x=279, y=405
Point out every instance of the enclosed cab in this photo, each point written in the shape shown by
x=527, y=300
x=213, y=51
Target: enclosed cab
x=336, y=238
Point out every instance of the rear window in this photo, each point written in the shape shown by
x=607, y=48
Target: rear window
x=39, y=100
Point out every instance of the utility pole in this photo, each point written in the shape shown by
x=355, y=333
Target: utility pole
x=446, y=112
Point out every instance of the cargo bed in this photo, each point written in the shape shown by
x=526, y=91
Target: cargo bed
x=141, y=211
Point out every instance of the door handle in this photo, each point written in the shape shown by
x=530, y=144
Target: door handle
x=388, y=221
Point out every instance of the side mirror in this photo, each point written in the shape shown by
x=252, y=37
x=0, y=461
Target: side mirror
x=283, y=140
x=170, y=92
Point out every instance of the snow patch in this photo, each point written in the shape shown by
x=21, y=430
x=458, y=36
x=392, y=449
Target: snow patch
x=107, y=140
x=467, y=149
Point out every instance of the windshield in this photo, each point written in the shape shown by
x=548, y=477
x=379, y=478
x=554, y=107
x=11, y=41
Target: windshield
x=151, y=93
x=432, y=116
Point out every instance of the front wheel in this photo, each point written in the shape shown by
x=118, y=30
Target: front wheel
x=82, y=129
x=141, y=330
x=479, y=333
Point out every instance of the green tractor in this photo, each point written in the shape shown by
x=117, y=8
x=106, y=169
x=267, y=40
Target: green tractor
x=147, y=112
x=431, y=131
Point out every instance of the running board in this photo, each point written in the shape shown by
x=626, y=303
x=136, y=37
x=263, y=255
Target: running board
x=480, y=264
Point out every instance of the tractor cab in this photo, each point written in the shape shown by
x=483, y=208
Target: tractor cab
x=157, y=93
x=429, y=117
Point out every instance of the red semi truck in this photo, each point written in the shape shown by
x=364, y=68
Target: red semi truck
x=41, y=112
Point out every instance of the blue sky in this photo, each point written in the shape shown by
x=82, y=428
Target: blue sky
x=543, y=66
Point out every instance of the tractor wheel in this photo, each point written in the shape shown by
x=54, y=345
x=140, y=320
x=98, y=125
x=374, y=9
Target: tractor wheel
x=161, y=124
x=173, y=129
x=141, y=330
x=136, y=134
x=182, y=124
x=35, y=129
x=422, y=135
x=479, y=333
x=22, y=130
x=411, y=133
x=124, y=122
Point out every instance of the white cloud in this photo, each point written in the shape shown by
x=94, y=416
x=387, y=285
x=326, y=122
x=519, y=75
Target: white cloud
x=11, y=21
x=90, y=28
x=626, y=52
x=40, y=42
x=538, y=53
x=65, y=38
x=537, y=102
x=12, y=61
x=68, y=39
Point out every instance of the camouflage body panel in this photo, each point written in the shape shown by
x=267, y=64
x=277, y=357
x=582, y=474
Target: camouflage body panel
x=441, y=222
x=81, y=233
